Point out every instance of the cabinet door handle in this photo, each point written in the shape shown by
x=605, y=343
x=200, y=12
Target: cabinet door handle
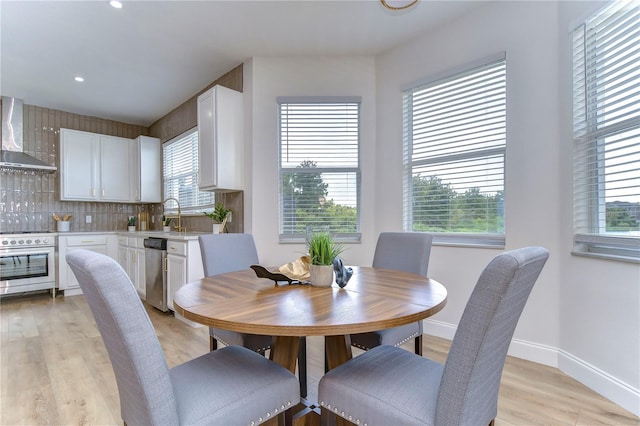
x=93, y=192
x=166, y=264
x=102, y=193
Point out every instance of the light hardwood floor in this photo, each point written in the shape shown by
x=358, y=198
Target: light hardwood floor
x=55, y=370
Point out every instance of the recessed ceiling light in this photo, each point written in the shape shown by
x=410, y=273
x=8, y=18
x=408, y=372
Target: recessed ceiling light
x=116, y=4
x=79, y=79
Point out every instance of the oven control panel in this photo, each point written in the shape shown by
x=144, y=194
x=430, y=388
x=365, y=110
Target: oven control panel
x=27, y=240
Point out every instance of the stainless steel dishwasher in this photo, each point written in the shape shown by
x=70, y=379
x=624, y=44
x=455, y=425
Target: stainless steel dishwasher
x=155, y=257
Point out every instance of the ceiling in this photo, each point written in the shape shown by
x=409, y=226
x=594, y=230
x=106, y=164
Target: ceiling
x=143, y=60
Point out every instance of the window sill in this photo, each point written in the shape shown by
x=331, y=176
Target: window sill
x=297, y=239
x=616, y=248
x=605, y=256
x=491, y=241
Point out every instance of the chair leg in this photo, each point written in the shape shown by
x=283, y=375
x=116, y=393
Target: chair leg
x=302, y=366
x=418, y=343
x=213, y=344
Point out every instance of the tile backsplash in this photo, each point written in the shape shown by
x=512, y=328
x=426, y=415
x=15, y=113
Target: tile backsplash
x=28, y=201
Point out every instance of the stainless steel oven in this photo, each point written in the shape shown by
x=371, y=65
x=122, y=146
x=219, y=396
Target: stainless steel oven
x=27, y=263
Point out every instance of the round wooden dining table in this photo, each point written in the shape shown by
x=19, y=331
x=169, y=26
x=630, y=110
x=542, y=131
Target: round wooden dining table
x=374, y=299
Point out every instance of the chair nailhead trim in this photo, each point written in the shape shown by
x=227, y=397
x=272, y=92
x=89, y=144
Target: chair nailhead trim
x=402, y=342
x=341, y=413
x=253, y=423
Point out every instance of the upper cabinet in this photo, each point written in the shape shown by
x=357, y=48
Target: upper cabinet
x=220, y=140
x=96, y=167
x=145, y=170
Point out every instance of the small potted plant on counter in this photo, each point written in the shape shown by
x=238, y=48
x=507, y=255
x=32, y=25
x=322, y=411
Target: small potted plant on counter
x=322, y=251
x=166, y=224
x=131, y=224
x=219, y=216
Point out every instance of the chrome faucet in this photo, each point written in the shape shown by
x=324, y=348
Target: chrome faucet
x=179, y=227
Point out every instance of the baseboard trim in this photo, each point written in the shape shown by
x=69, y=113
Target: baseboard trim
x=606, y=385
x=617, y=391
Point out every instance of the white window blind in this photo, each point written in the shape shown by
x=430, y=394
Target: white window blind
x=454, y=148
x=319, y=166
x=606, y=85
x=180, y=175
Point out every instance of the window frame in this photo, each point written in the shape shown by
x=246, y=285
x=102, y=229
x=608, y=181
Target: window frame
x=466, y=239
x=170, y=208
x=342, y=236
x=590, y=129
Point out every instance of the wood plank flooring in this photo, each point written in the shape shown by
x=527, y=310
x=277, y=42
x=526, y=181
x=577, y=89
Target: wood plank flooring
x=54, y=370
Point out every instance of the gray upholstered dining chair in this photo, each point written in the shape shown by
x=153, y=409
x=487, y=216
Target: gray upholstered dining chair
x=232, y=252
x=406, y=252
x=388, y=385
x=223, y=253
x=231, y=386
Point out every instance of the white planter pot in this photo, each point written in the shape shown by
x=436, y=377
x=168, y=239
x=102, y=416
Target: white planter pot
x=64, y=225
x=131, y=228
x=321, y=275
x=217, y=228
x=166, y=229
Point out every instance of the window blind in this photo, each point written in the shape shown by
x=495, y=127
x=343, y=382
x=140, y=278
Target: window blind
x=454, y=147
x=606, y=85
x=180, y=175
x=319, y=166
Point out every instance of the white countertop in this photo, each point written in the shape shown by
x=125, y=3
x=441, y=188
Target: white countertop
x=180, y=236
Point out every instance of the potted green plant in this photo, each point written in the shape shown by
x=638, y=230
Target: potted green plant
x=322, y=251
x=131, y=224
x=166, y=224
x=219, y=216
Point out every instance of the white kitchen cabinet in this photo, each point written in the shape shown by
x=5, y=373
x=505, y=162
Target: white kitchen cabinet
x=78, y=165
x=220, y=140
x=184, y=264
x=94, y=167
x=146, y=176
x=100, y=243
x=131, y=258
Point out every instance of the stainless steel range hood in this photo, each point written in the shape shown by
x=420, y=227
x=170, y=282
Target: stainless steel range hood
x=12, y=157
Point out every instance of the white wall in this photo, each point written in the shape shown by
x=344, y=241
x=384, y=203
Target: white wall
x=526, y=32
x=264, y=80
x=583, y=314
x=600, y=300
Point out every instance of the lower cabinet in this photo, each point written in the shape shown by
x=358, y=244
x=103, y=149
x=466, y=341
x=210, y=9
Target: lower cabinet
x=184, y=264
x=131, y=258
x=100, y=243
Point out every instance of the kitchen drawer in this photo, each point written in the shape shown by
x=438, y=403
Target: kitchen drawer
x=123, y=241
x=87, y=240
x=177, y=247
